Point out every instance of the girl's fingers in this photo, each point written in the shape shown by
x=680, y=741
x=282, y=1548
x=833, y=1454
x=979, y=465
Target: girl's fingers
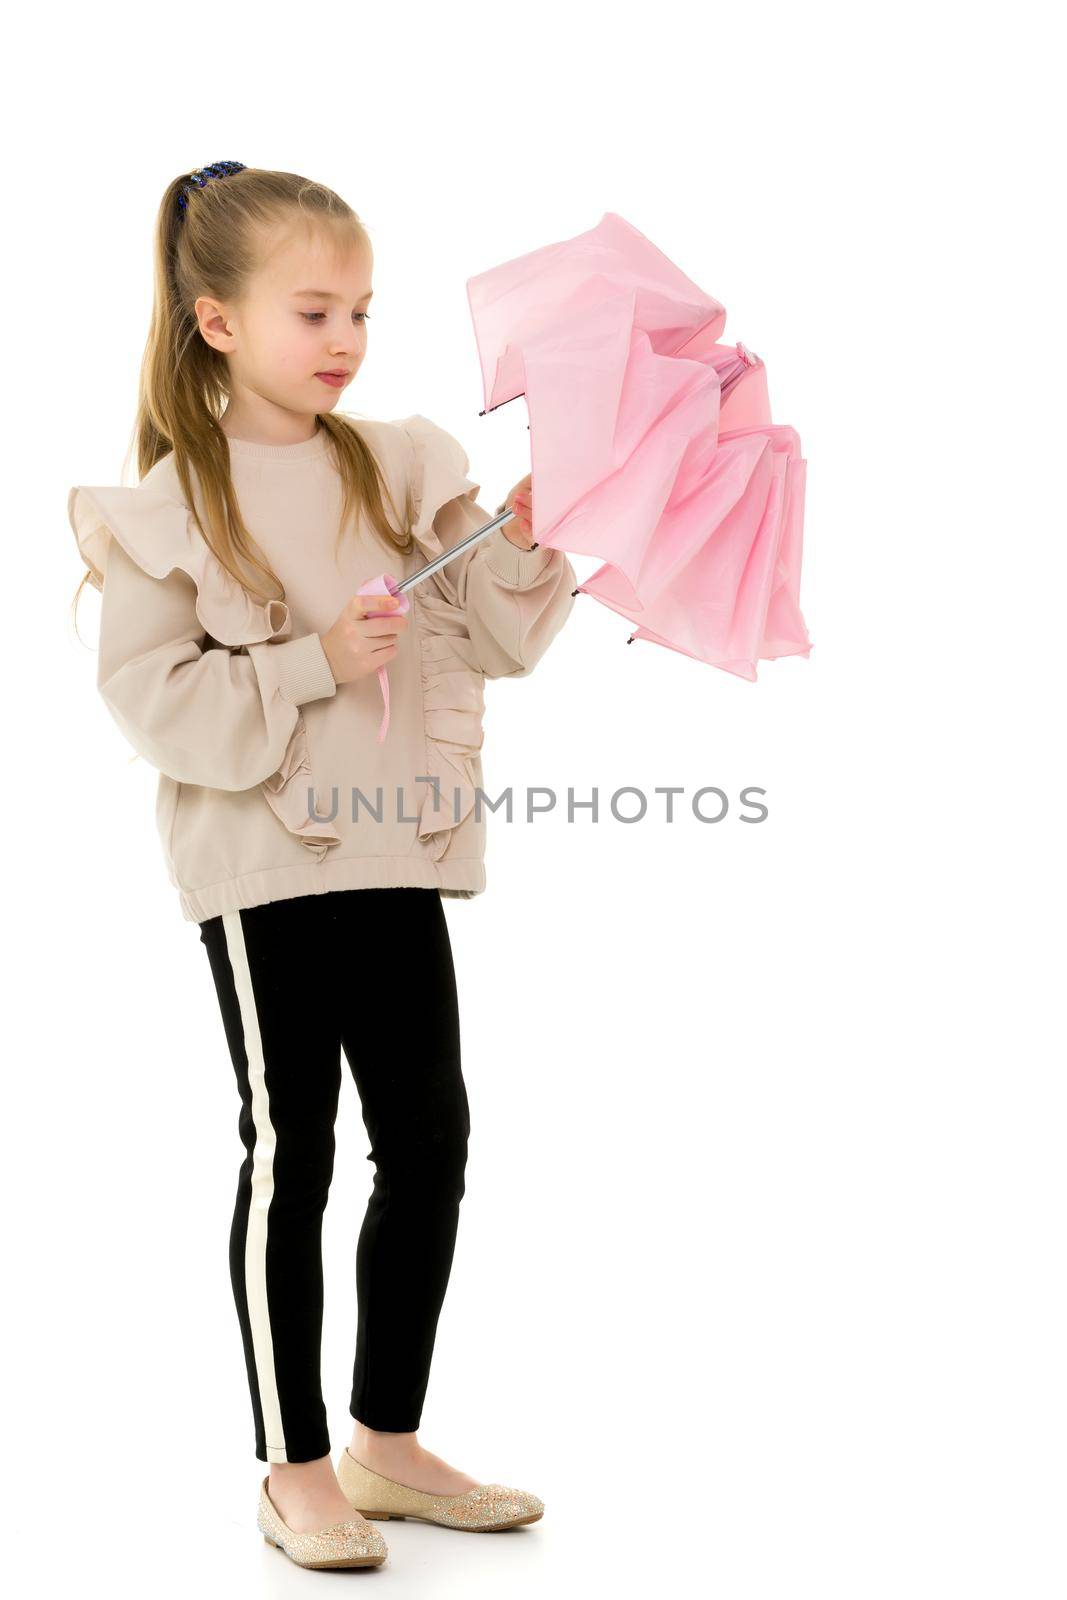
x=368, y=609
x=375, y=626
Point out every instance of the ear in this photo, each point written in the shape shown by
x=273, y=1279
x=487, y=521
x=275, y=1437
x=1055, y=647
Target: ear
x=215, y=329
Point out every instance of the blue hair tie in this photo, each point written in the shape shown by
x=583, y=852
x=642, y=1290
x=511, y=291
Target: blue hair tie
x=218, y=169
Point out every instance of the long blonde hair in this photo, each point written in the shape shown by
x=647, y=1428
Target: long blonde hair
x=211, y=246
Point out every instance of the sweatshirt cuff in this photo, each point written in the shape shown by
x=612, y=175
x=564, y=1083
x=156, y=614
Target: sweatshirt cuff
x=515, y=566
x=303, y=672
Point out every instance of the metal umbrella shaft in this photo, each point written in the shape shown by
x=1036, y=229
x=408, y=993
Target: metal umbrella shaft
x=450, y=555
x=466, y=544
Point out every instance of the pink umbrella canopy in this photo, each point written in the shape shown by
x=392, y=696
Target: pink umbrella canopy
x=652, y=445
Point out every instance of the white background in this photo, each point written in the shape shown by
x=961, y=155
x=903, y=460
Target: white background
x=759, y=1280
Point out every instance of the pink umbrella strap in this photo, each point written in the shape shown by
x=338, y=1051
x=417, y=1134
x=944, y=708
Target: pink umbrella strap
x=384, y=584
x=383, y=679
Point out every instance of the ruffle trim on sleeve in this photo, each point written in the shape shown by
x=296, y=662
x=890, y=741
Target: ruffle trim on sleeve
x=453, y=685
x=157, y=531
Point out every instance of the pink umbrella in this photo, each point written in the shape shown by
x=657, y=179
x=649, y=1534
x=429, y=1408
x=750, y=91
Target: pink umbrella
x=651, y=443
x=652, y=447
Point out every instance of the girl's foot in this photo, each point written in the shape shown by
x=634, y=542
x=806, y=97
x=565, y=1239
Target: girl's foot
x=400, y=1456
x=307, y=1494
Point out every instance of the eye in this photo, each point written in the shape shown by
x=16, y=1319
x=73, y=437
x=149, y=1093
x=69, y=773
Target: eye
x=313, y=316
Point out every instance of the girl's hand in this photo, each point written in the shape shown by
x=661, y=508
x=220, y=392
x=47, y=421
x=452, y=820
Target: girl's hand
x=520, y=500
x=363, y=638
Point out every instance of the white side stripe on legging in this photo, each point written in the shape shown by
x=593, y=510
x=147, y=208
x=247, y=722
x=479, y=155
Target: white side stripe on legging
x=262, y=1190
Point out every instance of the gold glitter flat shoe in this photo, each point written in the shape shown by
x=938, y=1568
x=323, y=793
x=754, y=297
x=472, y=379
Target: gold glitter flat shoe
x=485, y=1509
x=343, y=1544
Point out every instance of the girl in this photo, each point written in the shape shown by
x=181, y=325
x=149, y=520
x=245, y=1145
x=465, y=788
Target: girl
x=235, y=659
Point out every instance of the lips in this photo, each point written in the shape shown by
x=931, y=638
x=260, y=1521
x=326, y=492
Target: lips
x=335, y=379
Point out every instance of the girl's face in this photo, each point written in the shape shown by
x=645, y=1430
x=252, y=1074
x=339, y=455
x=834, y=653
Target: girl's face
x=303, y=314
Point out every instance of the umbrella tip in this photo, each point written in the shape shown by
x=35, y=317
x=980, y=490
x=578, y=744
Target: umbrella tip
x=631, y=639
x=574, y=592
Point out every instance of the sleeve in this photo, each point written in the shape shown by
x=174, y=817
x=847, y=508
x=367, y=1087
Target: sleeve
x=215, y=717
x=197, y=672
x=515, y=601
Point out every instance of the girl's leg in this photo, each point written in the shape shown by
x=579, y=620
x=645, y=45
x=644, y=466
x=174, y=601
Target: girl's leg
x=284, y=1044
x=406, y=1064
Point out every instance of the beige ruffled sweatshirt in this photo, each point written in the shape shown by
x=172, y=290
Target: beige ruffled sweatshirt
x=272, y=780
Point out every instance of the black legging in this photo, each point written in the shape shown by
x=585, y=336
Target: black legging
x=369, y=972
